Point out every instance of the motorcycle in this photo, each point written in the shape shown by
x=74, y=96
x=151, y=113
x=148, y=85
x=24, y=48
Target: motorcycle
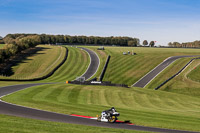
x=108, y=116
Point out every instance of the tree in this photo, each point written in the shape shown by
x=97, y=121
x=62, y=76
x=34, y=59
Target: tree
x=151, y=44
x=145, y=42
x=170, y=44
x=132, y=43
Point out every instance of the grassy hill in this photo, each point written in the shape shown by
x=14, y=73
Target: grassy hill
x=182, y=83
x=41, y=61
x=46, y=59
x=76, y=64
x=195, y=73
x=141, y=106
x=175, y=107
x=128, y=69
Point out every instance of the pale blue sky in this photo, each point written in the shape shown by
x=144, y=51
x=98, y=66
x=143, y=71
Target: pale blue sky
x=159, y=20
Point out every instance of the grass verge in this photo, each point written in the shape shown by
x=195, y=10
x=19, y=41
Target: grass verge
x=11, y=124
x=195, y=73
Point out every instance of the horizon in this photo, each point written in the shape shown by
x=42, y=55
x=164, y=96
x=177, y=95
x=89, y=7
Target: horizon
x=162, y=21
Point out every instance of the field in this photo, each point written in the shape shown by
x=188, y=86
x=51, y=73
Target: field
x=174, y=106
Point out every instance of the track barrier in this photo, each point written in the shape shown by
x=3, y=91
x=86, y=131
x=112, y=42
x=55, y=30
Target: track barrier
x=104, y=83
x=104, y=69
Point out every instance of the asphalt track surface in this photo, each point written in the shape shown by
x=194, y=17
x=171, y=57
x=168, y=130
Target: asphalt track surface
x=20, y=111
x=93, y=66
x=153, y=73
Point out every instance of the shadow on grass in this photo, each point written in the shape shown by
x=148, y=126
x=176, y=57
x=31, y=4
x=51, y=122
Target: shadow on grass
x=6, y=69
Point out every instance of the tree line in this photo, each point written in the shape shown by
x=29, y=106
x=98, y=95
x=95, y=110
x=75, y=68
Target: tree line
x=15, y=43
x=67, y=39
x=151, y=44
x=18, y=45
x=195, y=44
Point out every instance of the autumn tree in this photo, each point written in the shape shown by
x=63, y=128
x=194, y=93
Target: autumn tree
x=145, y=43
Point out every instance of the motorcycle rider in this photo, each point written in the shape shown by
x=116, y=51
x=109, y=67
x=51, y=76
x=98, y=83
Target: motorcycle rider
x=112, y=110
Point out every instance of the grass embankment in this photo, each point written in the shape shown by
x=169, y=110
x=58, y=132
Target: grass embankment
x=46, y=60
x=195, y=73
x=11, y=124
x=181, y=83
x=141, y=106
x=168, y=72
x=1, y=45
x=128, y=69
x=38, y=64
x=76, y=64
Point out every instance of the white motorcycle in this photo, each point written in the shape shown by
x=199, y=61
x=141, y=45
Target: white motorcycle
x=108, y=116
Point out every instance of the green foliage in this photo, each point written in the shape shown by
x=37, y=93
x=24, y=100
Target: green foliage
x=152, y=43
x=132, y=43
x=145, y=43
x=66, y=39
x=15, y=44
x=195, y=44
x=1, y=40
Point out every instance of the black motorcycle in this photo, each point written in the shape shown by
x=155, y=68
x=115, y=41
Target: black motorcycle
x=108, y=115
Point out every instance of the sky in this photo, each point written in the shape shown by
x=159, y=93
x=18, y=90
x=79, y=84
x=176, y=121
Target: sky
x=162, y=21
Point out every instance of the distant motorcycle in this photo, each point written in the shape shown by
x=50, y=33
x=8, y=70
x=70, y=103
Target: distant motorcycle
x=108, y=116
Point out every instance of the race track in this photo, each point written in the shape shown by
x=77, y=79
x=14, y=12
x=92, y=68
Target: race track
x=153, y=73
x=20, y=111
x=94, y=64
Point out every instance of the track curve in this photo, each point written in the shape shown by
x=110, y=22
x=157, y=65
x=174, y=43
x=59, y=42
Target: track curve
x=153, y=73
x=20, y=111
x=94, y=64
